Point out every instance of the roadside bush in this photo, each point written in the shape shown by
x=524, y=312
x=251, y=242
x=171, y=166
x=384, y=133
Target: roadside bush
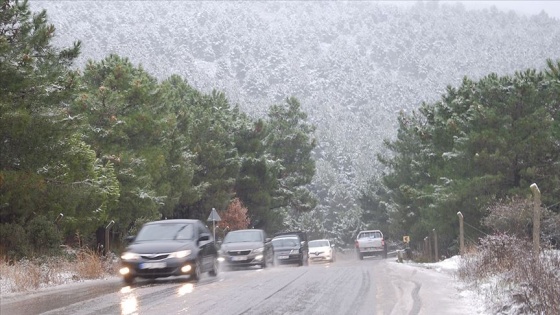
x=43, y=235
x=502, y=252
x=20, y=276
x=514, y=216
x=514, y=279
x=15, y=244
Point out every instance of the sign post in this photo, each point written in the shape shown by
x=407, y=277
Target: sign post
x=214, y=216
x=406, y=241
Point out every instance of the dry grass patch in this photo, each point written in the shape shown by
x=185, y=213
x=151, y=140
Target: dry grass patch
x=88, y=265
x=26, y=275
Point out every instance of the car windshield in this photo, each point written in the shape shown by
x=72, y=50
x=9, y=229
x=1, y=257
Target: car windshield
x=243, y=236
x=285, y=242
x=166, y=231
x=320, y=243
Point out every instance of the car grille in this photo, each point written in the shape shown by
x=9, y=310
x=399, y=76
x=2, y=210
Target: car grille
x=155, y=256
x=155, y=272
x=239, y=252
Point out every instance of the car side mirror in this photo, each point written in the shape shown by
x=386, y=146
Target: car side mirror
x=267, y=240
x=204, y=237
x=130, y=238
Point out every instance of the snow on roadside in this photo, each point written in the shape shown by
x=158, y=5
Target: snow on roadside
x=476, y=296
x=25, y=276
x=450, y=265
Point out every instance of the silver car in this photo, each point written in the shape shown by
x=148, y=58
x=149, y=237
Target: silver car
x=322, y=250
x=244, y=248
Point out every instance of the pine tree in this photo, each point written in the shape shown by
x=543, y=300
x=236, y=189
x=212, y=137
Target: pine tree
x=124, y=124
x=484, y=141
x=45, y=167
x=290, y=139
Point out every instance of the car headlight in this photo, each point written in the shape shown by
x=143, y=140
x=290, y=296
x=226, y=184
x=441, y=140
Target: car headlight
x=130, y=256
x=180, y=254
x=258, y=250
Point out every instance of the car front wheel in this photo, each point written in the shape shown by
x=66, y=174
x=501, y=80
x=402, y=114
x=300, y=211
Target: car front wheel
x=215, y=267
x=128, y=279
x=197, y=272
x=271, y=261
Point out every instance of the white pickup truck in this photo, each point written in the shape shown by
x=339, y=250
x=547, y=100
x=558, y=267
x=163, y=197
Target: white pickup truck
x=370, y=243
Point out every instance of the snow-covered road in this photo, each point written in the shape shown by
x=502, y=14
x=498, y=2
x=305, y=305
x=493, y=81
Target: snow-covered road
x=347, y=286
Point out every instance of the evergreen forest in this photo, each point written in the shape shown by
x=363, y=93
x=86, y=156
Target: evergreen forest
x=374, y=117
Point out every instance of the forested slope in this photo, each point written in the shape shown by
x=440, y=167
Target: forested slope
x=353, y=65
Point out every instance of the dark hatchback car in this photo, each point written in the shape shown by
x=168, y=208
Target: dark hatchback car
x=170, y=248
x=244, y=248
x=291, y=248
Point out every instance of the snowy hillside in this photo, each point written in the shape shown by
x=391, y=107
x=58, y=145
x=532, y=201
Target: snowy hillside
x=353, y=65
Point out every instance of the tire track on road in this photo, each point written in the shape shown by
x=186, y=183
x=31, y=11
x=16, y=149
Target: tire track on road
x=416, y=301
x=246, y=311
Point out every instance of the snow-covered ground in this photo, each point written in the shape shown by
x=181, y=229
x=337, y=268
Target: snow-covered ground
x=498, y=293
x=474, y=297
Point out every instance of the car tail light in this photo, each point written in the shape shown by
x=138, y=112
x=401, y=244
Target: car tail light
x=357, y=244
x=382, y=242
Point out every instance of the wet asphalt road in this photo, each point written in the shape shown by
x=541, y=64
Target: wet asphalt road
x=347, y=286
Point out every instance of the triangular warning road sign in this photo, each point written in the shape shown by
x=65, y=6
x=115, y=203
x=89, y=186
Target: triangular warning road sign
x=214, y=216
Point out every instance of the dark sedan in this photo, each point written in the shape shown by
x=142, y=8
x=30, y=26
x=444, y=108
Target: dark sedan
x=244, y=248
x=170, y=248
x=289, y=249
